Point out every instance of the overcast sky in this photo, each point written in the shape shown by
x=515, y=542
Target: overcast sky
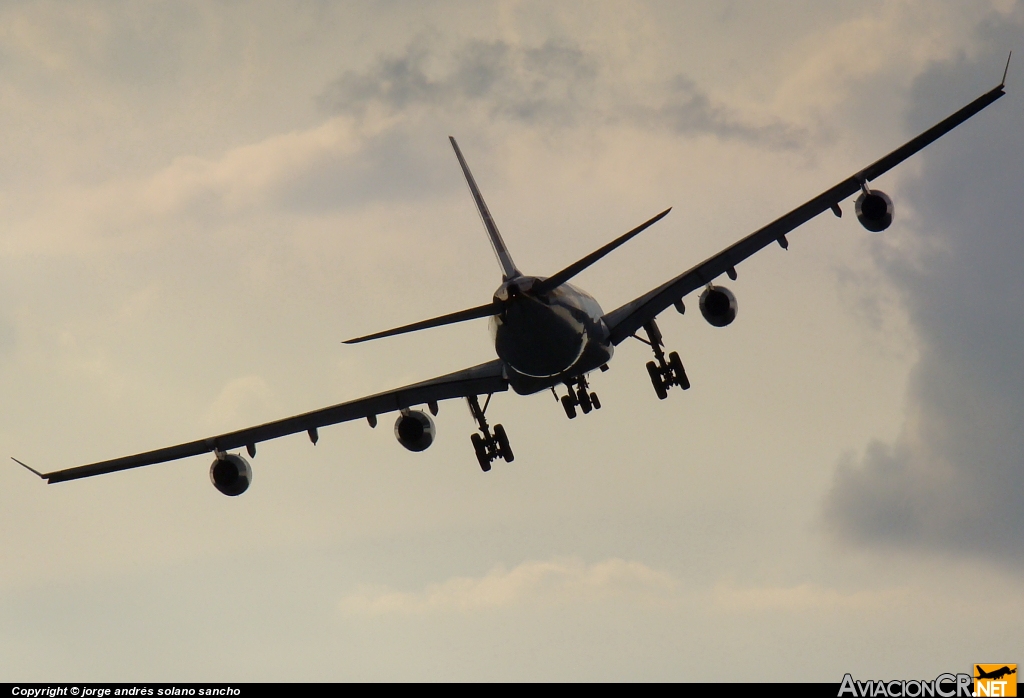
x=199, y=202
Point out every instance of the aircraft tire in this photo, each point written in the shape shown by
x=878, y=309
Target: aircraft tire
x=481, y=452
x=656, y=380
x=584, y=401
x=504, y=450
x=677, y=369
x=569, y=407
x=595, y=401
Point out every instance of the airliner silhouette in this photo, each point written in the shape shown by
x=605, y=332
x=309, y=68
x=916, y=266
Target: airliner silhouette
x=995, y=673
x=548, y=334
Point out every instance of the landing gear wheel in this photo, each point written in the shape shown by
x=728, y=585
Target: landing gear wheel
x=656, y=380
x=569, y=405
x=594, y=401
x=677, y=370
x=584, y=399
x=504, y=450
x=481, y=452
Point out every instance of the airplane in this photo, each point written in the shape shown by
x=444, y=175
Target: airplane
x=548, y=334
x=995, y=674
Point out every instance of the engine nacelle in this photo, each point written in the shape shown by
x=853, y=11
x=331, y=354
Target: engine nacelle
x=718, y=305
x=874, y=210
x=414, y=430
x=231, y=475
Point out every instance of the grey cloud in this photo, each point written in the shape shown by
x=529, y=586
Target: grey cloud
x=556, y=83
x=524, y=84
x=954, y=478
x=396, y=81
x=688, y=109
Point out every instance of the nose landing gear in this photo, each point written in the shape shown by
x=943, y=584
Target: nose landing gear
x=664, y=374
x=487, y=445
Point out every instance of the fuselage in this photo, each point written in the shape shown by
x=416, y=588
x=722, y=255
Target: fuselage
x=550, y=338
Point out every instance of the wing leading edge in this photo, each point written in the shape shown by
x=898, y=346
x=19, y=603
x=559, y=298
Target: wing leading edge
x=627, y=319
x=479, y=380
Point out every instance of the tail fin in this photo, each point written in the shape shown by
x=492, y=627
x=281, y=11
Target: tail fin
x=508, y=267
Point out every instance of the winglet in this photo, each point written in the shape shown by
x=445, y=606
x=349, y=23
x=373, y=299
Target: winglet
x=1002, y=83
x=28, y=467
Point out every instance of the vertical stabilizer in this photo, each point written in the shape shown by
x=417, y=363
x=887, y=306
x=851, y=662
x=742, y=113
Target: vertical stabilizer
x=508, y=267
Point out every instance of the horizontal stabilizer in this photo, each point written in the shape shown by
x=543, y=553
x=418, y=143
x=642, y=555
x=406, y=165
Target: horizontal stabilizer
x=553, y=282
x=492, y=308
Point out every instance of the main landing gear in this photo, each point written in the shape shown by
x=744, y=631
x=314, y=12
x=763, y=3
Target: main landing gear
x=488, y=446
x=664, y=374
x=579, y=396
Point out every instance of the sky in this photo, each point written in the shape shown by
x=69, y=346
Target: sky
x=199, y=202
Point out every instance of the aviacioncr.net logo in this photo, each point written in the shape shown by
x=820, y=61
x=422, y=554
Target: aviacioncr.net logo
x=943, y=686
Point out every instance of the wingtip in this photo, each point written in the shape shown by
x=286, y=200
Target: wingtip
x=28, y=468
x=1002, y=83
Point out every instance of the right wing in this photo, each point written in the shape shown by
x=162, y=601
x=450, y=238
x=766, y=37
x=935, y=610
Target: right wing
x=480, y=380
x=626, y=320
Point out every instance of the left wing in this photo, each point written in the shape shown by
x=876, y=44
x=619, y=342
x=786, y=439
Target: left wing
x=480, y=380
x=624, y=321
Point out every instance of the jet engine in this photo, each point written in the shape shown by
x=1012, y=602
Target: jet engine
x=231, y=474
x=718, y=305
x=414, y=430
x=874, y=210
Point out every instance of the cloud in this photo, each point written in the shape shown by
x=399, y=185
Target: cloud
x=334, y=166
x=556, y=83
x=240, y=398
x=532, y=582
x=547, y=83
x=570, y=581
x=952, y=480
x=372, y=147
x=804, y=598
x=689, y=110
x=247, y=177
